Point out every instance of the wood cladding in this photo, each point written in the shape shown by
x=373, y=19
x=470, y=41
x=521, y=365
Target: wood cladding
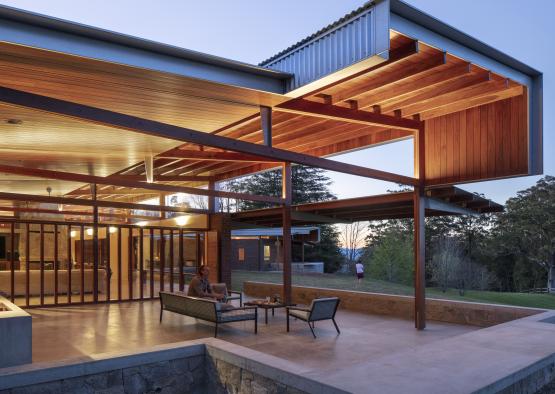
x=484, y=142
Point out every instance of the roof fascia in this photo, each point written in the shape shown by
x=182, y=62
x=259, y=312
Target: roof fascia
x=44, y=32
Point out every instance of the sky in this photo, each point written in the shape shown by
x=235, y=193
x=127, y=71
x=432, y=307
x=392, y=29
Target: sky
x=252, y=30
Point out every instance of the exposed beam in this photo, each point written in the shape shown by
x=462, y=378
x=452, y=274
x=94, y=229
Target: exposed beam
x=443, y=206
x=408, y=87
x=73, y=177
x=150, y=127
x=390, y=79
x=311, y=217
x=212, y=156
x=100, y=203
x=111, y=191
x=72, y=213
x=333, y=112
x=165, y=178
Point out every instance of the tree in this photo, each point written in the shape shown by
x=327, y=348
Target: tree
x=352, y=237
x=391, y=257
x=308, y=185
x=526, y=234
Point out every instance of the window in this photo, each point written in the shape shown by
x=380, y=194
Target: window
x=241, y=254
x=266, y=252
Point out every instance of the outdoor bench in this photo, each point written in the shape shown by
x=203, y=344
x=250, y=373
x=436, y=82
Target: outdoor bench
x=206, y=309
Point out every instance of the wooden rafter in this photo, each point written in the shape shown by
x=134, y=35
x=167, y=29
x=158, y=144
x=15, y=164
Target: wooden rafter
x=150, y=127
x=388, y=81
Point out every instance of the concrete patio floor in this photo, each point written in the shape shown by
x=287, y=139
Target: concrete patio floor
x=373, y=353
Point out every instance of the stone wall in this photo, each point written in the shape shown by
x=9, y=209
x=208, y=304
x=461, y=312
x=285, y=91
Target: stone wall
x=201, y=366
x=471, y=313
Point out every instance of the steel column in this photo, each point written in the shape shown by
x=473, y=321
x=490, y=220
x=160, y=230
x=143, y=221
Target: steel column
x=287, y=195
x=419, y=231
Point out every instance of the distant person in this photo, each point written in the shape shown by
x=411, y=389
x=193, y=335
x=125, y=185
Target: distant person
x=359, y=271
x=200, y=286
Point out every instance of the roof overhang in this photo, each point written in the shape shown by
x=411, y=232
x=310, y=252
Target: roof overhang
x=439, y=202
x=53, y=34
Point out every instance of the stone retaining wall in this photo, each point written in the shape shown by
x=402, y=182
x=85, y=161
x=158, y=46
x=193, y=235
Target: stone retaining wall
x=201, y=366
x=471, y=313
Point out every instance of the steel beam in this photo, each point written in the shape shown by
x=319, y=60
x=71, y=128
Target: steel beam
x=73, y=177
x=151, y=127
x=333, y=112
x=100, y=203
x=212, y=156
x=266, y=124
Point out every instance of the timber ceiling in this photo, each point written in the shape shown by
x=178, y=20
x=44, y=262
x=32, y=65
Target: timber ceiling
x=418, y=81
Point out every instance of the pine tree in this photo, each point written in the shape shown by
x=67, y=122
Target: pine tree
x=309, y=185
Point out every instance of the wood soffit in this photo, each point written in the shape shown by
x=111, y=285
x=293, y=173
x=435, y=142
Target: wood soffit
x=380, y=105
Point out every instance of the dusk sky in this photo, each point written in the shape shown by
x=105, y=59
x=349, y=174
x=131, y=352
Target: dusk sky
x=252, y=31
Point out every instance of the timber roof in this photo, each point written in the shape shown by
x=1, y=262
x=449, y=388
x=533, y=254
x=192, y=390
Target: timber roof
x=444, y=201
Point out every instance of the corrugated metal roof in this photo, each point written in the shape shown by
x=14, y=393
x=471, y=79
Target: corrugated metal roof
x=319, y=33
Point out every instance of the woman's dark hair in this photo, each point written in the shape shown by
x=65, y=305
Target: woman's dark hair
x=200, y=269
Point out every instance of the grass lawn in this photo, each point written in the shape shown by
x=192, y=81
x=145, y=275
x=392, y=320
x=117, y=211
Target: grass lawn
x=347, y=282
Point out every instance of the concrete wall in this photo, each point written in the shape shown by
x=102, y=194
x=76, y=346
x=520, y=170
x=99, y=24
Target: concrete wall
x=201, y=366
x=15, y=335
x=476, y=314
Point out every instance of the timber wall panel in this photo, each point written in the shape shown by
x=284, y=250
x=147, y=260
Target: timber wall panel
x=485, y=142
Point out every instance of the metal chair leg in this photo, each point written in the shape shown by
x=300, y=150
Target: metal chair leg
x=311, y=329
x=216, y=331
x=161, y=311
x=336, y=327
x=287, y=314
x=256, y=321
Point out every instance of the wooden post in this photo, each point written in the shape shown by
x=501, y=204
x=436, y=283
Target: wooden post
x=287, y=195
x=419, y=231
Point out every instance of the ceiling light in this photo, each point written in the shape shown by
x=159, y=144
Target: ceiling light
x=142, y=223
x=182, y=220
x=112, y=229
x=73, y=233
x=89, y=231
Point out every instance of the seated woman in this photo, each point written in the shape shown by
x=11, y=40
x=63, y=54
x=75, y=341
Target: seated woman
x=200, y=286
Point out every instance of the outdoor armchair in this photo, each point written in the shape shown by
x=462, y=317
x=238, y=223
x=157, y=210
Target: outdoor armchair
x=229, y=295
x=319, y=309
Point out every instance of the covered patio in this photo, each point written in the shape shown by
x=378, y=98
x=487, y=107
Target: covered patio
x=374, y=353
x=116, y=152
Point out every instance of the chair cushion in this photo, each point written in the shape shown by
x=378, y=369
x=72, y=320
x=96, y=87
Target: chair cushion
x=300, y=314
x=236, y=315
x=220, y=288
